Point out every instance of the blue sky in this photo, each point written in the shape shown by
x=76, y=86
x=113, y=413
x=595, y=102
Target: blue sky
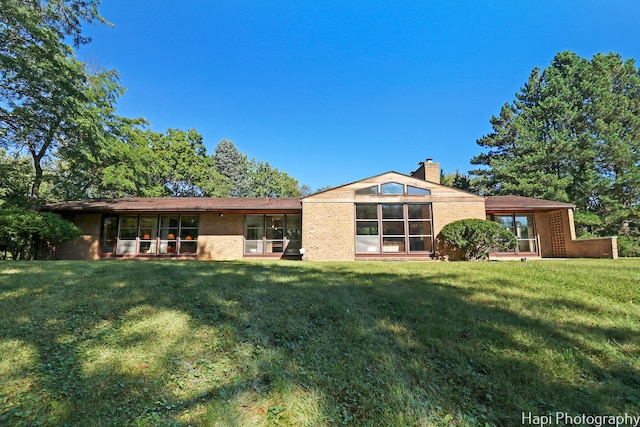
x=335, y=91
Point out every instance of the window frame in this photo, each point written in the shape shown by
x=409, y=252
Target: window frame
x=516, y=230
x=151, y=238
x=286, y=239
x=385, y=189
x=389, y=241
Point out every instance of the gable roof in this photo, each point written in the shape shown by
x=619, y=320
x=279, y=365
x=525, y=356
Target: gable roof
x=177, y=204
x=401, y=177
x=512, y=203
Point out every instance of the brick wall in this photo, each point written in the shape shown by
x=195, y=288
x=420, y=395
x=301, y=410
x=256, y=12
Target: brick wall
x=87, y=245
x=448, y=211
x=328, y=231
x=557, y=238
x=221, y=237
x=602, y=247
x=543, y=233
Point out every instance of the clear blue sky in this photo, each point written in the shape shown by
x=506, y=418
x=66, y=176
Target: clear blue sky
x=335, y=91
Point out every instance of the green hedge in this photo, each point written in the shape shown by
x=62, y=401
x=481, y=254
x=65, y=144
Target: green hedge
x=476, y=238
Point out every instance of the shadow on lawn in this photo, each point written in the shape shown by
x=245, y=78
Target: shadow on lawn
x=229, y=340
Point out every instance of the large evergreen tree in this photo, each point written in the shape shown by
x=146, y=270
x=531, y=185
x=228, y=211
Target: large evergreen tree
x=233, y=165
x=251, y=178
x=572, y=134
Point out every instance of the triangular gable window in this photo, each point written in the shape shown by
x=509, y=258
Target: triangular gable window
x=393, y=188
x=417, y=191
x=368, y=190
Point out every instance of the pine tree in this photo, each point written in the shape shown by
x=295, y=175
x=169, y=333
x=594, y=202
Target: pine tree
x=572, y=134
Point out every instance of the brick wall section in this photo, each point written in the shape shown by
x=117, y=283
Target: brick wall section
x=88, y=244
x=541, y=220
x=221, y=237
x=328, y=231
x=448, y=211
x=557, y=238
x=603, y=247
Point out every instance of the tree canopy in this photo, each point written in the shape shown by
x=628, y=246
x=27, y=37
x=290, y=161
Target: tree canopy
x=49, y=101
x=58, y=115
x=572, y=134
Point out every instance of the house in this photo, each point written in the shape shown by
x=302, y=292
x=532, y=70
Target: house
x=390, y=216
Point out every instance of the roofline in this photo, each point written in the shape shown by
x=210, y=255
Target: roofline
x=398, y=173
x=528, y=209
x=554, y=205
x=102, y=205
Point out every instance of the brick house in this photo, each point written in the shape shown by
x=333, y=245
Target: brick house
x=387, y=216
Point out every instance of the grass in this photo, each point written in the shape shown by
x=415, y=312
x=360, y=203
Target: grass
x=126, y=343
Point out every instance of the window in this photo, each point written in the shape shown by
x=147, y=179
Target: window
x=188, y=234
x=293, y=229
x=522, y=225
x=391, y=228
x=367, y=190
x=419, y=220
x=127, y=235
x=149, y=234
x=169, y=234
x=253, y=234
x=272, y=234
x=367, y=229
x=109, y=234
x=417, y=191
x=393, y=188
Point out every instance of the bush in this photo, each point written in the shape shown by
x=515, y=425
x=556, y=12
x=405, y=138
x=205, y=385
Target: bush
x=476, y=238
x=628, y=246
x=23, y=231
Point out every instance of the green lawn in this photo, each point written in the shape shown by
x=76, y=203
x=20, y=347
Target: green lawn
x=145, y=343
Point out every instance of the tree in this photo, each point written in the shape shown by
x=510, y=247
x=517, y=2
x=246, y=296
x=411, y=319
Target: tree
x=232, y=164
x=185, y=169
x=456, y=180
x=48, y=99
x=126, y=164
x=137, y=162
x=23, y=232
x=572, y=134
x=15, y=180
x=266, y=181
x=251, y=178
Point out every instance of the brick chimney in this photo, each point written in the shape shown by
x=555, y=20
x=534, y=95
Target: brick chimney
x=428, y=170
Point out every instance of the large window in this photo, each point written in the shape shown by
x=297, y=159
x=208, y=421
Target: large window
x=149, y=235
x=522, y=225
x=393, y=228
x=272, y=234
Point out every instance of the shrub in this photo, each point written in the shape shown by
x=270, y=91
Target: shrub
x=476, y=238
x=628, y=246
x=22, y=231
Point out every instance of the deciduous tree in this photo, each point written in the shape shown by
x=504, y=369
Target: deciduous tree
x=48, y=99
